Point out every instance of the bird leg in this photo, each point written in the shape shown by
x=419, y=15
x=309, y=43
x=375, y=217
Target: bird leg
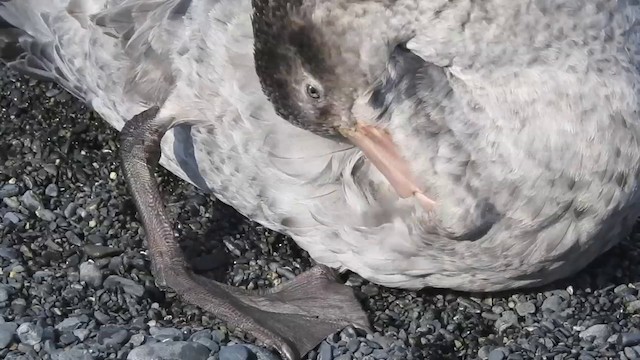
x=292, y=318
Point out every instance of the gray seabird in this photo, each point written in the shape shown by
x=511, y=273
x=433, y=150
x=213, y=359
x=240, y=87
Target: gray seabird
x=513, y=126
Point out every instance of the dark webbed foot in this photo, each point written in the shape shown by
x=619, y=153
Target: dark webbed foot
x=292, y=318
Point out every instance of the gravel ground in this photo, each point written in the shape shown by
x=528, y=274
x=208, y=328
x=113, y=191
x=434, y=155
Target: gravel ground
x=75, y=280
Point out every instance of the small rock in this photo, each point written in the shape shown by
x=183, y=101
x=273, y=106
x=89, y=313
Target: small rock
x=629, y=339
x=8, y=253
x=506, y=320
x=6, y=333
x=497, y=354
x=170, y=350
x=91, y=274
x=45, y=214
x=525, y=308
x=75, y=353
x=633, y=306
x=30, y=200
x=4, y=294
x=137, y=340
x=553, y=303
x=326, y=353
x=112, y=336
x=165, y=334
x=69, y=324
x=12, y=217
x=81, y=334
x=30, y=333
x=100, y=251
x=370, y=290
x=9, y=190
x=129, y=286
x=235, y=352
x=51, y=190
x=599, y=332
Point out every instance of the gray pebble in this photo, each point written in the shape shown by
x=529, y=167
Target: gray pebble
x=630, y=353
x=91, y=274
x=212, y=345
x=525, y=308
x=633, y=306
x=9, y=190
x=68, y=324
x=12, y=217
x=165, y=334
x=137, y=339
x=326, y=353
x=202, y=334
x=219, y=336
x=129, y=286
x=553, y=303
x=507, y=319
x=81, y=334
x=370, y=290
x=7, y=330
x=29, y=333
x=112, y=336
x=8, y=253
x=629, y=339
x=261, y=353
x=235, y=352
x=30, y=200
x=169, y=351
x=75, y=353
x=45, y=214
x=497, y=354
x=4, y=294
x=599, y=332
x=100, y=251
x=51, y=190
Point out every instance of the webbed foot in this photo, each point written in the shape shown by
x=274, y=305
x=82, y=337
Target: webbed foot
x=291, y=318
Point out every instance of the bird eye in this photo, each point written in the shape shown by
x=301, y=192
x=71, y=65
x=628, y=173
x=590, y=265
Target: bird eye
x=313, y=92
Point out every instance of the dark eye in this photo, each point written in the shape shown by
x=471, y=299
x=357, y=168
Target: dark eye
x=313, y=92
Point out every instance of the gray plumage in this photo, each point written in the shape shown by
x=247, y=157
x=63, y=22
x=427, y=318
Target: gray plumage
x=522, y=123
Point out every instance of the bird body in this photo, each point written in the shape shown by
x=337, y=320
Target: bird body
x=521, y=123
x=528, y=219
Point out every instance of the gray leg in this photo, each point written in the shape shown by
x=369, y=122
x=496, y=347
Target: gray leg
x=292, y=318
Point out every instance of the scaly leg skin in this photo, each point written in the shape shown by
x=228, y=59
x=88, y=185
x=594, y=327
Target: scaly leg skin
x=292, y=318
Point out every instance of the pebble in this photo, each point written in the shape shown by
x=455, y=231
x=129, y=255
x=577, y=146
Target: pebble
x=235, y=352
x=81, y=334
x=29, y=333
x=75, y=353
x=51, y=190
x=507, y=319
x=112, y=336
x=129, y=286
x=100, y=251
x=525, y=308
x=629, y=338
x=553, y=303
x=69, y=324
x=599, y=332
x=169, y=351
x=165, y=334
x=4, y=294
x=497, y=354
x=91, y=274
x=9, y=190
x=7, y=330
x=30, y=200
